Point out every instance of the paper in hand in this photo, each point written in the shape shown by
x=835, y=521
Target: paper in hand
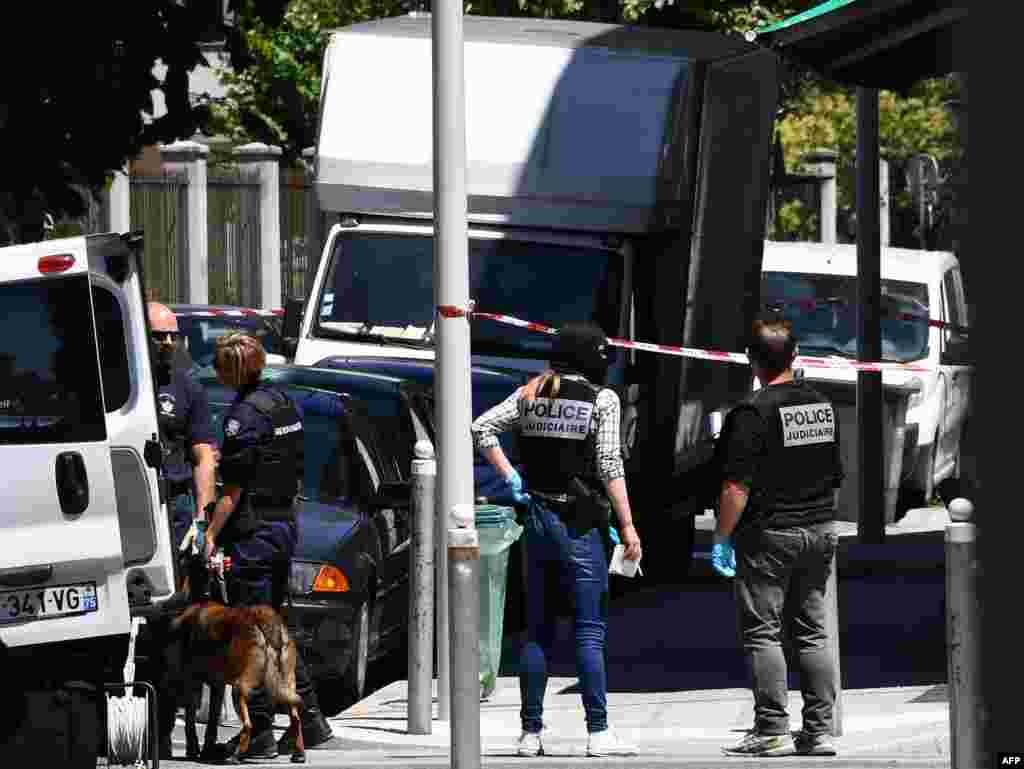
x=623, y=566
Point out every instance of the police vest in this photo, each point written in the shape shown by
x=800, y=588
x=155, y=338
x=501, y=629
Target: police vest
x=555, y=440
x=275, y=476
x=173, y=421
x=795, y=482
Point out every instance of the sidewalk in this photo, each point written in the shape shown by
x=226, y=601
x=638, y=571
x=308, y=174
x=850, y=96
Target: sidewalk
x=892, y=723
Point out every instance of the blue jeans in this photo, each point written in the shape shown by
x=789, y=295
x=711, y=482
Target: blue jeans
x=780, y=581
x=562, y=559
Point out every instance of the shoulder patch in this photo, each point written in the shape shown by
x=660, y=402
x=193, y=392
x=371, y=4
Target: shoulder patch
x=231, y=427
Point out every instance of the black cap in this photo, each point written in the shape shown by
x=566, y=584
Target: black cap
x=581, y=348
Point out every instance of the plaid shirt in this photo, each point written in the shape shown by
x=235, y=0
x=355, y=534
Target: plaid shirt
x=605, y=423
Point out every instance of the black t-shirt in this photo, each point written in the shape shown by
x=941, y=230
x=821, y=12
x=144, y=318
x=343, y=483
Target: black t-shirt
x=184, y=413
x=743, y=441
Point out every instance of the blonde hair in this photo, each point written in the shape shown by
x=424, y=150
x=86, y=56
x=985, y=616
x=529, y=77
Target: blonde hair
x=239, y=359
x=545, y=385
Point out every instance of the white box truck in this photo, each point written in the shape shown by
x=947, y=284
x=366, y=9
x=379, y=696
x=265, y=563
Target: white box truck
x=614, y=173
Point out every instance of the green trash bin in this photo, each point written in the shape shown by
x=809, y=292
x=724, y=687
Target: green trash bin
x=497, y=528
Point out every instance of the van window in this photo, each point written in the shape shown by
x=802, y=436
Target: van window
x=117, y=385
x=49, y=374
x=823, y=309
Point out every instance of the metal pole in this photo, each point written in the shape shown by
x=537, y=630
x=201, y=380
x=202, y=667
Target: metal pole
x=421, y=591
x=870, y=454
x=963, y=647
x=451, y=273
x=441, y=644
x=464, y=589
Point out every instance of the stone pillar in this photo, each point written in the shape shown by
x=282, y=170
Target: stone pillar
x=315, y=230
x=118, y=203
x=884, y=224
x=189, y=158
x=264, y=162
x=821, y=162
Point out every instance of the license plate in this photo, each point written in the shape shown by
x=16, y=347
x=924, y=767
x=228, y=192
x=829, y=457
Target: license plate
x=45, y=602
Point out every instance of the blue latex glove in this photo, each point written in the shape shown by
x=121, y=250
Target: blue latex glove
x=723, y=557
x=515, y=482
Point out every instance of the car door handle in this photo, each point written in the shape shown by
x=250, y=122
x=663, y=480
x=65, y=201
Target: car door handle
x=72, y=483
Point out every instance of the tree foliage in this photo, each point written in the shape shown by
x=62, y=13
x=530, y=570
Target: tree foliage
x=825, y=115
x=75, y=92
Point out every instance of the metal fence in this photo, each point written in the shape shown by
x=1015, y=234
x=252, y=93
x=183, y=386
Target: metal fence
x=300, y=238
x=233, y=239
x=159, y=208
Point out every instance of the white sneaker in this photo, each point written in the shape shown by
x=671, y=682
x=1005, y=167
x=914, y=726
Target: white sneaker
x=530, y=744
x=607, y=743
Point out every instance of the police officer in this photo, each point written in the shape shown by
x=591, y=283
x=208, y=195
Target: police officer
x=189, y=474
x=254, y=520
x=186, y=430
x=569, y=428
x=780, y=465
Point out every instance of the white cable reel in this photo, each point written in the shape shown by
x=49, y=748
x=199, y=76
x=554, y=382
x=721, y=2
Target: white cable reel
x=128, y=716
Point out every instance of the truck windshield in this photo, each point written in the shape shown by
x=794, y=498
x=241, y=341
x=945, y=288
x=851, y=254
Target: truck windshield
x=380, y=287
x=823, y=309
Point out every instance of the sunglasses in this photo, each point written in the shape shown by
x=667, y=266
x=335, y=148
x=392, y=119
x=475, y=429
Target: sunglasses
x=162, y=336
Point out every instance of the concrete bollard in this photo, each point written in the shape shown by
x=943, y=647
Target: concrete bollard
x=421, y=591
x=464, y=636
x=966, y=709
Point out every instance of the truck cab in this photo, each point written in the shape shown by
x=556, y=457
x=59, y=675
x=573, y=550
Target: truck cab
x=86, y=542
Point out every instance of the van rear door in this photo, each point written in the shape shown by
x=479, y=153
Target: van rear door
x=74, y=398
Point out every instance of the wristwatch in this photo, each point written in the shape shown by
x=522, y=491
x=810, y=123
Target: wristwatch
x=208, y=510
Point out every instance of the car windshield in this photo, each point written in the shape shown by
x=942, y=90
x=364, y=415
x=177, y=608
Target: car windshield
x=823, y=309
x=49, y=371
x=202, y=334
x=381, y=287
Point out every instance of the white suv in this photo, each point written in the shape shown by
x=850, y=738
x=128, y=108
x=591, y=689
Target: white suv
x=924, y=321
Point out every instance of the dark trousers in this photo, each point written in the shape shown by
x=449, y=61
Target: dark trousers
x=260, y=566
x=780, y=585
x=562, y=560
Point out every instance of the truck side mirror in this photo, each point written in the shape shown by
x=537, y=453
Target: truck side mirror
x=293, y=308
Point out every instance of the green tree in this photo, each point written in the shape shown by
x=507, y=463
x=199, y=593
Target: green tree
x=824, y=115
x=75, y=93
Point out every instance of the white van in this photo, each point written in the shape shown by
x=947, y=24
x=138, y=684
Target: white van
x=85, y=542
x=816, y=285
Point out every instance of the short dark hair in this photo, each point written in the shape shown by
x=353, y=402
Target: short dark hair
x=772, y=343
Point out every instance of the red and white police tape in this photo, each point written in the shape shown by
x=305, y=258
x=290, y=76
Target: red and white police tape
x=801, y=361
x=243, y=312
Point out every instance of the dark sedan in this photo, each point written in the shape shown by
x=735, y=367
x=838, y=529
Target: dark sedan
x=489, y=385
x=349, y=580
x=203, y=324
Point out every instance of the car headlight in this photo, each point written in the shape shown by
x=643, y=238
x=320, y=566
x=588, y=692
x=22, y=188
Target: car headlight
x=317, y=578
